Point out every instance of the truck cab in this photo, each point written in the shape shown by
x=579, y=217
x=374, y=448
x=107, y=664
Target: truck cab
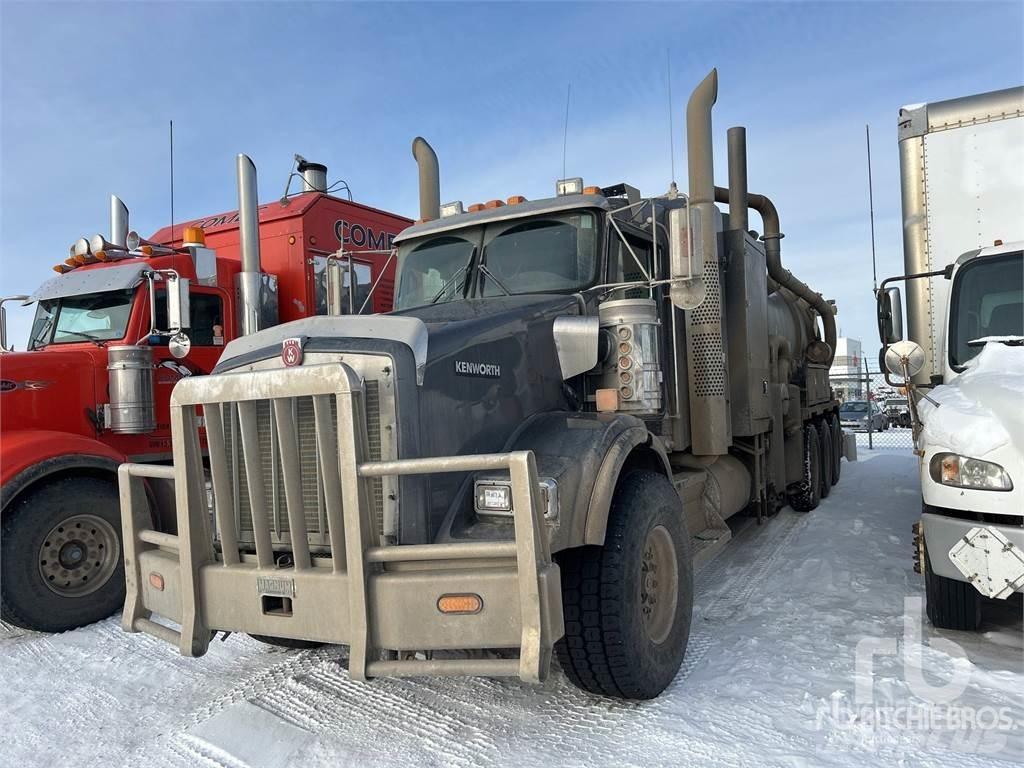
x=968, y=435
x=123, y=321
x=530, y=453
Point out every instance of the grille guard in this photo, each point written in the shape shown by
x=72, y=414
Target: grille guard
x=389, y=590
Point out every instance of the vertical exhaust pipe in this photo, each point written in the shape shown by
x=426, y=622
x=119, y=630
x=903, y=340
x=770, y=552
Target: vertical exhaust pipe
x=710, y=427
x=738, y=196
x=699, y=159
x=250, y=280
x=430, y=182
x=118, y=222
x=737, y=138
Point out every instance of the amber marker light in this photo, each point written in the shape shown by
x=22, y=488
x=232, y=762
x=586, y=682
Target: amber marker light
x=467, y=603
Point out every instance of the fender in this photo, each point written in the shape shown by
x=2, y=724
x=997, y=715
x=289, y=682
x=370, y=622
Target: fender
x=30, y=455
x=585, y=453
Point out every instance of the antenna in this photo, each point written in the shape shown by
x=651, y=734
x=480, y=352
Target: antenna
x=671, y=130
x=172, y=178
x=565, y=131
x=871, y=211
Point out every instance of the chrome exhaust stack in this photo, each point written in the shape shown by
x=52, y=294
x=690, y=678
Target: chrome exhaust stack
x=250, y=281
x=118, y=223
x=430, y=183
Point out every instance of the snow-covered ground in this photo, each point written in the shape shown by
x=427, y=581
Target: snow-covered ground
x=771, y=677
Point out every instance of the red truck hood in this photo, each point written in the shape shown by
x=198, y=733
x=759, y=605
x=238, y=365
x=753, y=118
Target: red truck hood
x=50, y=389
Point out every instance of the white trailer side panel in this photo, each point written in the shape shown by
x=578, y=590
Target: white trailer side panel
x=962, y=173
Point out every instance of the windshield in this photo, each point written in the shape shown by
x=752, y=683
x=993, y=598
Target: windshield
x=987, y=300
x=539, y=255
x=89, y=317
x=432, y=270
x=854, y=407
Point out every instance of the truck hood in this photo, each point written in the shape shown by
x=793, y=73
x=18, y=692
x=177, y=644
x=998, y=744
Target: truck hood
x=979, y=411
x=456, y=325
x=48, y=389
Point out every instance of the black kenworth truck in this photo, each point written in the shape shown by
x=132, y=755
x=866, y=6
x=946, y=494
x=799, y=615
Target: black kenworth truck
x=530, y=454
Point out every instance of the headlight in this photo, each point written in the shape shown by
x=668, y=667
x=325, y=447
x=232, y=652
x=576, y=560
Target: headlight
x=963, y=472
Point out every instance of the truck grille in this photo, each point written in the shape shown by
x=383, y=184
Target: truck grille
x=272, y=474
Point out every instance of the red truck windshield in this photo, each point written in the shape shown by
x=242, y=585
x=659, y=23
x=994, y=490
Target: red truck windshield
x=90, y=317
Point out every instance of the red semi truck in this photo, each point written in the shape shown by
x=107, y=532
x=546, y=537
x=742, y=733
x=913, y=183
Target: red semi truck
x=123, y=321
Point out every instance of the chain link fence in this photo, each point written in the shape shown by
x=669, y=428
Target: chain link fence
x=876, y=412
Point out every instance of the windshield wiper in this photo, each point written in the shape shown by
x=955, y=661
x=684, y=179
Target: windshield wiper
x=483, y=268
x=94, y=339
x=463, y=273
x=1009, y=340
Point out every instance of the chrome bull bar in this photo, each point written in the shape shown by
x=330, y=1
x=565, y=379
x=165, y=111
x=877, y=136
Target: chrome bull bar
x=382, y=601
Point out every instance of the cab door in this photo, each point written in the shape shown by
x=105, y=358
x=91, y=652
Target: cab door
x=207, y=334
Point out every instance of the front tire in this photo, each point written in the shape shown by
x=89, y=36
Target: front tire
x=808, y=491
x=950, y=604
x=628, y=604
x=62, y=563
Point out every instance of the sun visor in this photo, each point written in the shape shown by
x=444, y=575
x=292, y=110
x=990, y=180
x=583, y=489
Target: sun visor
x=81, y=281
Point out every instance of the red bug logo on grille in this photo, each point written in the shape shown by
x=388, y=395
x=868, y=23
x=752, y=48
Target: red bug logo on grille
x=291, y=352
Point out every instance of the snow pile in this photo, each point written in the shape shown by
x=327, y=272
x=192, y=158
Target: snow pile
x=983, y=408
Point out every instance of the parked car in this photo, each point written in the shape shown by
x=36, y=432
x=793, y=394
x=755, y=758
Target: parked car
x=897, y=410
x=862, y=415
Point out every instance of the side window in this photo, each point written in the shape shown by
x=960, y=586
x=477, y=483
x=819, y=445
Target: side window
x=206, y=312
x=362, y=288
x=627, y=267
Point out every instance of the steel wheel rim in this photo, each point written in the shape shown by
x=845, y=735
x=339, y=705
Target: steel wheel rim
x=78, y=555
x=659, y=584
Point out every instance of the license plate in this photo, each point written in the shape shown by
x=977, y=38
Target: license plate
x=992, y=563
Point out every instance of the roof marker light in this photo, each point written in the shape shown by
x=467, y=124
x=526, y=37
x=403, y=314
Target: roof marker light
x=451, y=209
x=494, y=204
x=572, y=186
x=591, y=190
x=516, y=200
x=476, y=207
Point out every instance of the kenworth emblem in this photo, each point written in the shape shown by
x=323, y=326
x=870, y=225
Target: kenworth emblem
x=467, y=368
x=291, y=351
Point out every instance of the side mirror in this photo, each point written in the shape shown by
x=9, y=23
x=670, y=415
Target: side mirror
x=178, y=316
x=904, y=359
x=686, y=262
x=890, y=315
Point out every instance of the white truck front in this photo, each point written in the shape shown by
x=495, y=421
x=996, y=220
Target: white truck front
x=971, y=444
x=962, y=179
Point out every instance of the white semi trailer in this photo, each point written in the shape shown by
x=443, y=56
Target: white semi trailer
x=962, y=175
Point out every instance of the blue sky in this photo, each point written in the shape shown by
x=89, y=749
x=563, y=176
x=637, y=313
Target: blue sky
x=86, y=91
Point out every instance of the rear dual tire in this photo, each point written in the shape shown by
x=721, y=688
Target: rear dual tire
x=807, y=494
x=628, y=605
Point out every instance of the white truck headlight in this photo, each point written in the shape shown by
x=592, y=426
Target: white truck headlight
x=964, y=472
